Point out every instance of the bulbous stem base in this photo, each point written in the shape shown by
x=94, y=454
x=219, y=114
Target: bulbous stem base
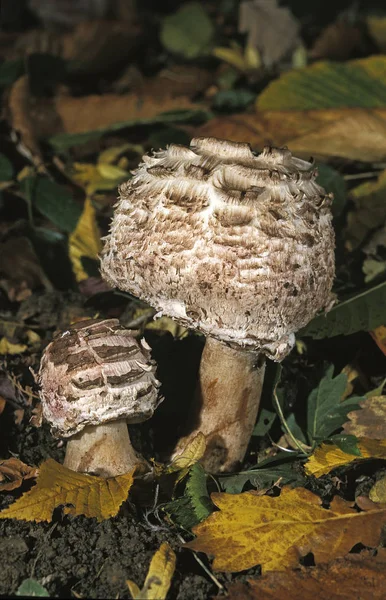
x=226, y=404
x=103, y=450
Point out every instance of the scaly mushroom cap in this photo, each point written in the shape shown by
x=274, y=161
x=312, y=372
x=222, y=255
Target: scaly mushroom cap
x=95, y=373
x=237, y=245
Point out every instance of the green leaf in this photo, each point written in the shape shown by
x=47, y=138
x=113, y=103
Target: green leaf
x=10, y=71
x=363, y=312
x=188, y=31
x=357, y=83
x=332, y=181
x=233, y=100
x=347, y=443
x=54, y=202
x=6, y=168
x=326, y=411
x=32, y=588
x=266, y=474
x=63, y=141
x=195, y=505
x=264, y=422
x=168, y=135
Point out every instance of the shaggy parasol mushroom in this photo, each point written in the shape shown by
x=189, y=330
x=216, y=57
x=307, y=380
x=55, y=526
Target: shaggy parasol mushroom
x=94, y=379
x=236, y=245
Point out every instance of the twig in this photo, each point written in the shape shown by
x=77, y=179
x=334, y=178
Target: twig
x=202, y=565
x=285, y=424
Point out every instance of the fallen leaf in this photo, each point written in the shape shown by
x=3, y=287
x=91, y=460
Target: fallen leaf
x=377, y=29
x=159, y=576
x=354, y=134
x=369, y=421
x=272, y=29
x=337, y=41
x=84, y=241
x=356, y=83
x=36, y=119
x=78, y=493
x=30, y=588
x=7, y=347
x=355, y=576
x=329, y=456
x=167, y=324
x=326, y=408
x=3, y=403
x=364, y=311
x=13, y=472
x=188, y=31
x=276, y=532
x=20, y=269
x=195, y=505
x=374, y=264
x=378, y=491
x=191, y=454
x=368, y=213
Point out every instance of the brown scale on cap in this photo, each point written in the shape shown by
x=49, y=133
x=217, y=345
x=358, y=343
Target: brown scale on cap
x=93, y=375
x=236, y=245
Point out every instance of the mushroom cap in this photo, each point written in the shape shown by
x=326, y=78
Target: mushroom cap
x=94, y=373
x=237, y=245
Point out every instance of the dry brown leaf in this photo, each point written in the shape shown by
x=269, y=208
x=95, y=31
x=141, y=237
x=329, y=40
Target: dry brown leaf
x=13, y=472
x=78, y=493
x=276, y=532
x=20, y=271
x=35, y=119
x=370, y=421
x=355, y=576
x=351, y=133
x=337, y=41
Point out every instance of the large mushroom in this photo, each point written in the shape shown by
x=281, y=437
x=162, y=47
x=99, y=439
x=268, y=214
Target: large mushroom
x=236, y=245
x=94, y=379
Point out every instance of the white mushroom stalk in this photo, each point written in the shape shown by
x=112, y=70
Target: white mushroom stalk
x=94, y=379
x=236, y=245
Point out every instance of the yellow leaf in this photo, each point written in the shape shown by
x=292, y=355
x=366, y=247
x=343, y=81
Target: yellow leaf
x=100, y=177
x=159, y=577
x=7, y=347
x=80, y=494
x=112, y=173
x=379, y=336
x=189, y=455
x=328, y=456
x=377, y=29
x=276, y=532
x=233, y=56
x=84, y=241
x=168, y=324
x=112, y=154
x=378, y=491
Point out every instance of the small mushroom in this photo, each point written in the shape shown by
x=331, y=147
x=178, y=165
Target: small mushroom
x=236, y=245
x=94, y=379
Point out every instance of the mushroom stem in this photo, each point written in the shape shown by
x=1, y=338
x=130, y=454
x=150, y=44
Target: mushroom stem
x=103, y=450
x=226, y=405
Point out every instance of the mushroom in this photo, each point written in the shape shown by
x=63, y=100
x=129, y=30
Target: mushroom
x=94, y=379
x=236, y=245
